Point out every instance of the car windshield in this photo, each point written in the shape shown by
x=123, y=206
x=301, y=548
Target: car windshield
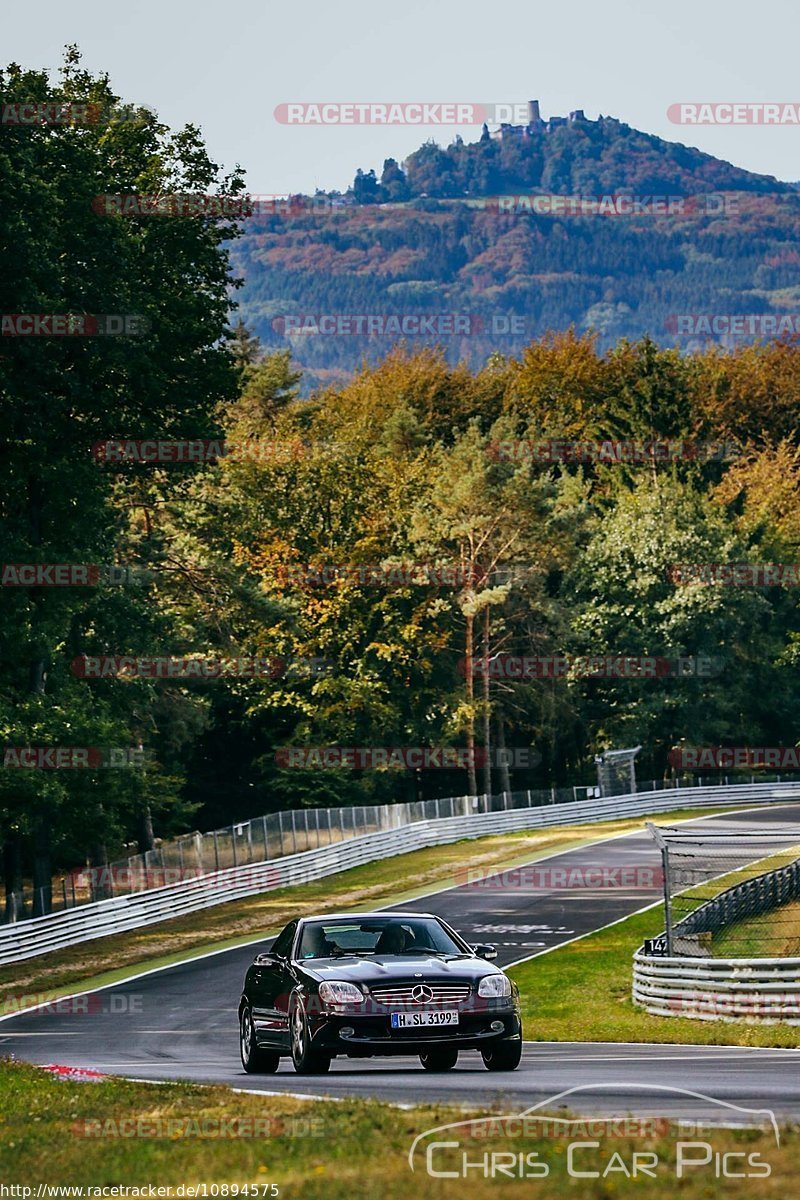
x=376, y=936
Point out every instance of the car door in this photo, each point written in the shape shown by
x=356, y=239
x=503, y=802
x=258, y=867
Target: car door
x=272, y=985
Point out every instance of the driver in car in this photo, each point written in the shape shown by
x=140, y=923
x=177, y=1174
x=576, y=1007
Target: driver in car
x=392, y=940
x=316, y=944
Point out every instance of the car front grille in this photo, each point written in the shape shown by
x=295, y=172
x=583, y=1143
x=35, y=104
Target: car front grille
x=403, y=993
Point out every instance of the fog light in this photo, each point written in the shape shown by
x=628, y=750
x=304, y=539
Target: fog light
x=497, y=1026
x=346, y=1031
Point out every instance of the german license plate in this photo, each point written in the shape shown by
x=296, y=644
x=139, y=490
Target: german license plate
x=413, y=1020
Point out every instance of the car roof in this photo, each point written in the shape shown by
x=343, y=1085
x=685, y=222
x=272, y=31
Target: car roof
x=361, y=916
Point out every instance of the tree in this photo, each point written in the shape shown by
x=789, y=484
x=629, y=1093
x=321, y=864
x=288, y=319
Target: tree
x=66, y=253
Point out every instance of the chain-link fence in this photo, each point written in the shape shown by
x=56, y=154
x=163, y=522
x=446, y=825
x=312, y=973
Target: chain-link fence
x=730, y=893
x=275, y=835
x=264, y=838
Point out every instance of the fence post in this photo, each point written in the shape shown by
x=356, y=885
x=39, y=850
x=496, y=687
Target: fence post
x=663, y=847
x=216, y=852
x=266, y=839
x=280, y=831
x=233, y=845
x=294, y=832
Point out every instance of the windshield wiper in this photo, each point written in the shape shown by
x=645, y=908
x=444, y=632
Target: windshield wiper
x=425, y=950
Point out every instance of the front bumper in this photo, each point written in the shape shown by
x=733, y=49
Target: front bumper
x=347, y=1031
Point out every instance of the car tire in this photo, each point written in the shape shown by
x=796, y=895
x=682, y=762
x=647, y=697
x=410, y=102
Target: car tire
x=307, y=1061
x=504, y=1056
x=254, y=1060
x=443, y=1058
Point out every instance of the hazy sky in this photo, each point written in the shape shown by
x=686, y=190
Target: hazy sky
x=227, y=66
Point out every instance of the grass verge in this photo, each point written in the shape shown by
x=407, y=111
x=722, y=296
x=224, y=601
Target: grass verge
x=120, y=1133
x=582, y=992
x=392, y=880
x=774, y=934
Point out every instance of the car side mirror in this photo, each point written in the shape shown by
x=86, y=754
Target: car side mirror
x=266, y=960
x=484, y=950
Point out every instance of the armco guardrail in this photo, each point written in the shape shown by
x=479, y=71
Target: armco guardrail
x=719, y=989
x=27, y=939
x=268, y=837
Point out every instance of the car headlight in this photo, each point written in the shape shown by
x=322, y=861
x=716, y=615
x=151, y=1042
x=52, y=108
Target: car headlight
x=340, y=992
x=494, y=985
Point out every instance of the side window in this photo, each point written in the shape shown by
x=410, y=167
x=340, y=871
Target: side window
x=283, y=942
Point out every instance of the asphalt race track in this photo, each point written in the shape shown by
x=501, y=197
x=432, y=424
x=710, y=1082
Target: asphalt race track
x=180, y=1023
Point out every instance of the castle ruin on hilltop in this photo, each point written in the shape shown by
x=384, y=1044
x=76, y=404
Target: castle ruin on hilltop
x=535, y=122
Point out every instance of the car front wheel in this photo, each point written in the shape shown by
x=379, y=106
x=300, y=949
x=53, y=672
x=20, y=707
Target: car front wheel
x=443, y=1058
x=254, y=1060
x=307, y=1061
x=504, y=1056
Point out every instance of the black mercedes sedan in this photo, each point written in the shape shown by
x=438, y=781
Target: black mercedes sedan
x=376, y=984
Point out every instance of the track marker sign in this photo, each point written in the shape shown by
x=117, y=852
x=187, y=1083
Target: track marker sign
x=656, y=947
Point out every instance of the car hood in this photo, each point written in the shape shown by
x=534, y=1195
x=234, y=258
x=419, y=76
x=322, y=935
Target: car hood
x=387, y=968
